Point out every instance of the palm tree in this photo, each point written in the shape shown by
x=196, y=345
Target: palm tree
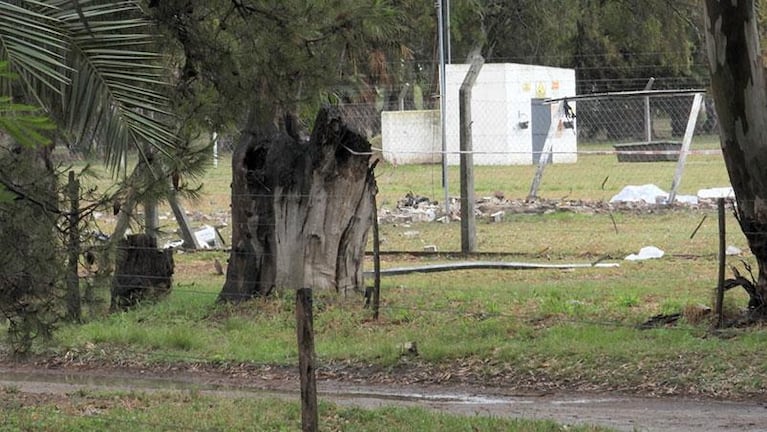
x=92, y=65
x=94, y=69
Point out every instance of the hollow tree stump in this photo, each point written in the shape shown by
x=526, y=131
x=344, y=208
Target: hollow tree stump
x=143, y=272
x=301, y=210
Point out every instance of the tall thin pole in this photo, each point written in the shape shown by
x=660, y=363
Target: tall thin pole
x=215, y=149
x=74, y=311
x=447, y=32
x=306, y=363
x=647, y=115
x=442, y=105
x=686, y=142
x=468, y=222
x=722, y=261
x=376, y=263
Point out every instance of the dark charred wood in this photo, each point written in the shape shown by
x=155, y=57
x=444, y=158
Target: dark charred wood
x=661, y=320
x=143, y=272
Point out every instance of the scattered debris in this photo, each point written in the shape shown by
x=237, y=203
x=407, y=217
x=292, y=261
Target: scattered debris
x=411, y=234
x=696, y=313
x=408, y=348
x=647, y=252
x=661, y=320
x=413, y=200
x=173, y=244
x=733, y=251
x=208, y=237
x=495, y=209
x=693, y=314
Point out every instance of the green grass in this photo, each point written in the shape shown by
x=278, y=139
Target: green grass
x=570, y=236
x=88, y=411
x=563, y=328
x=593, y=177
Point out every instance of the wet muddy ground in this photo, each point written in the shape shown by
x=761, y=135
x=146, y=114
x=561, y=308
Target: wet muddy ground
x=620, y=411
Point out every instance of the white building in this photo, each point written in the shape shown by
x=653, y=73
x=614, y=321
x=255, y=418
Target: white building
x=510, y=123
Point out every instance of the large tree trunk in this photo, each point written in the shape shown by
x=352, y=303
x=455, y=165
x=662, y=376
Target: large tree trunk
x=738, y=87
x=300, y=210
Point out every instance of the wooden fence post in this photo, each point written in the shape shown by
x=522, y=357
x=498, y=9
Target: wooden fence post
x=305, y=333
x=719, y=309
x=73, y=249
x=376, y=263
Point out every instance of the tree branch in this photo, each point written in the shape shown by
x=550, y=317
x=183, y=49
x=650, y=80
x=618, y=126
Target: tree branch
x=20, y=194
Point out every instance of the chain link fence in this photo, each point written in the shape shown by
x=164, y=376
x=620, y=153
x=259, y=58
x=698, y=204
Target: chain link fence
x=643, y=118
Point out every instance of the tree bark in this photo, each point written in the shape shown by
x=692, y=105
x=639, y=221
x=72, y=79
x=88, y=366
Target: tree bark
x=739, y=91
x=300, y=210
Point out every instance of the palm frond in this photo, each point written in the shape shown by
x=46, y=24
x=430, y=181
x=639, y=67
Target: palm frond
x=96, y=58
x=34, y=45
x=116, y=81
x=24, y=123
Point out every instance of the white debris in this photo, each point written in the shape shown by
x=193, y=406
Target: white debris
x=208, y=237
x=650, y=194
x=686, y=199
x=423, y=215
x=173, y=244
x=647, y=252
x=718, y=192
x=733, y=250
x=647, y=193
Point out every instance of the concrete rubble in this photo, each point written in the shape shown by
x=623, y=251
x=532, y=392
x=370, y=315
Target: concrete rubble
x=415, y=208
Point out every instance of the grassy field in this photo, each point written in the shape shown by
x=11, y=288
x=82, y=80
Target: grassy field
x=561, y=324
x=554, y=329
x=595, y=177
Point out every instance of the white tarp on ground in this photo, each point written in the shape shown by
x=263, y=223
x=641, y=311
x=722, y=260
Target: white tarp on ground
x=650, y=194
x=647, y=252
x=719, y=192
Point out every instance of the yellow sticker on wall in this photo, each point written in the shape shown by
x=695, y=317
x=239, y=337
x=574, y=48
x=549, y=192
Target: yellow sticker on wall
x=540, y=90
x=526, y=87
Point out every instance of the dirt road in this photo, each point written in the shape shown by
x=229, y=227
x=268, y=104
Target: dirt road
x=622, y=412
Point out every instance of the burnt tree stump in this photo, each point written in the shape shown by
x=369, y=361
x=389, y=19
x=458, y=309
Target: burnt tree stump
x=143, y=272
x=301, y=210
